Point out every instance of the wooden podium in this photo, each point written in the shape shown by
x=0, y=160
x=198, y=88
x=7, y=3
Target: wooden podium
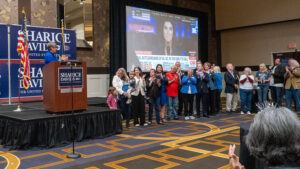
x=60, y=90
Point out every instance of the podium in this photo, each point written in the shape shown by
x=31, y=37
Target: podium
x=64, y=86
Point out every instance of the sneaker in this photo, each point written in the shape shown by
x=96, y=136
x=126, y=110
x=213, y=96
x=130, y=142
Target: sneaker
x=137, y=125
x=248, y=112
x=186, y=117
x=128, y=101
x=192, y=117
x=145, y=124
x=242, y=112
x=149, y=122
x=176, y=118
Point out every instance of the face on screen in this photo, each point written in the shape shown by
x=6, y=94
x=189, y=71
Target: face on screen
x=156, y=37
x=168, y=31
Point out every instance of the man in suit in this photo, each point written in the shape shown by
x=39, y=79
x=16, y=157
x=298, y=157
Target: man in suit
x=202, y=90
x=276, y=83
x=231, y=89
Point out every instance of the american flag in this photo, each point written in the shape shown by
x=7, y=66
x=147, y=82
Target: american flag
x=22, y=48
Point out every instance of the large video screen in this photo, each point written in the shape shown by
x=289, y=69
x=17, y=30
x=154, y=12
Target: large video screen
x=155, y=37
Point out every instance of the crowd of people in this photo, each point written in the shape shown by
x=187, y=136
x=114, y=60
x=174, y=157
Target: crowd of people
x=199, y=91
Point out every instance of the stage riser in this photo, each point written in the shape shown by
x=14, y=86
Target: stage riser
x=58, y=130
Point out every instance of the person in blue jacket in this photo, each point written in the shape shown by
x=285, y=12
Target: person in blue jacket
x=218, y=86
x=49, y=57
x=188, y=91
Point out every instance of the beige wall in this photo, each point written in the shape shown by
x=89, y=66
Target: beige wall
x=44, y=13
x=254, y=45
x=9, y=11
x=239, y=13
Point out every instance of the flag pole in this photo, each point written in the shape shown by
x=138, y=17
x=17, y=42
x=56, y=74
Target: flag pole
x=19, y=109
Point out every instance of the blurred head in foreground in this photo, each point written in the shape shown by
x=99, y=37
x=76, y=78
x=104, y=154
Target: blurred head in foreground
x=274, y=136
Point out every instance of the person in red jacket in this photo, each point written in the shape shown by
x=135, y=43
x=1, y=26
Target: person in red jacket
x=172, y=93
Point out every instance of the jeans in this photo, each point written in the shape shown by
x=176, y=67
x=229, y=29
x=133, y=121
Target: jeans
x=277, y=93
x=188, y=100
x=155, y=102
x=172, y=107
x=292, y=93
x=262, y=92
x=246, y=99
x=125, y=108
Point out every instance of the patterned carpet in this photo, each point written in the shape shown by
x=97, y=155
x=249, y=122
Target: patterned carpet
x=200, y=143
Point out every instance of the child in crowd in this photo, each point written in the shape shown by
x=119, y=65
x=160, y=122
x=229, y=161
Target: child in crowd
x=112, y=98
x=132, y=85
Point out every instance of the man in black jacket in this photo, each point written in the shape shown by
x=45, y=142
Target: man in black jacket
x=202, y=90
x=277, y=81
x=232, y=84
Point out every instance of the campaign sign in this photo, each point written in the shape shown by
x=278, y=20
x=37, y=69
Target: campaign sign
x=36, y=81
x=69, y=78
x=38, y=38
x=3, y=42
x=3, y=80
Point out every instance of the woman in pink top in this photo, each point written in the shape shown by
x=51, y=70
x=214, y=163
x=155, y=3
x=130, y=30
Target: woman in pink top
x=112, y=98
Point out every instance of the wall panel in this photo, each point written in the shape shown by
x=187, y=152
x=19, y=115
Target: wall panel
x=239, y=13
x=254, y=45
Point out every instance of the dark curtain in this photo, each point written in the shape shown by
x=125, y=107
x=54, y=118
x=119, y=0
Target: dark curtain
x=117, y=36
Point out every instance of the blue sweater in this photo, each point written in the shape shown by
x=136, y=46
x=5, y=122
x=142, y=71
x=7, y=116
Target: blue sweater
x=188, y=82
x=218, y=81
x=49, y=57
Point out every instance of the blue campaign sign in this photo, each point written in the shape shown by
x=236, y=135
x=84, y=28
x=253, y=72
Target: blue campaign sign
x=3, y=80
x=70, y=77
x=38, y=38
x=3, y=41
x=36, y=82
